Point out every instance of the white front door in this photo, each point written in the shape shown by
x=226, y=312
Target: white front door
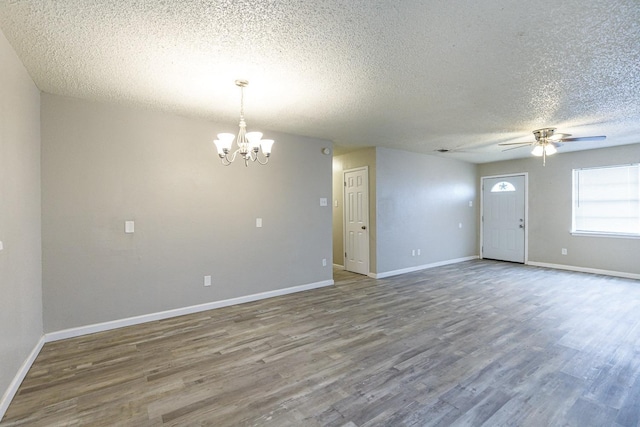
x=356, y=220
x=503, y=218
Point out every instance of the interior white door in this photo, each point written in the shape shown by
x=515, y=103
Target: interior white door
x=356, y=220
x=503, y=218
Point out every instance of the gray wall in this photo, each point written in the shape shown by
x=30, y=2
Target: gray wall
x=355, y=159
x=20, y=261
x=550, y=210
x=103, y=164
x=421, y=199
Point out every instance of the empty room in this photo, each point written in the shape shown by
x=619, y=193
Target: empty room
x=327, y=213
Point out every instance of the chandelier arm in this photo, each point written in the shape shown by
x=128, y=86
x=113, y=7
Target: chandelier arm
x=228, y=159
x=266, y=159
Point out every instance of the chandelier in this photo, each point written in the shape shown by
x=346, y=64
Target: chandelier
x=249, y=143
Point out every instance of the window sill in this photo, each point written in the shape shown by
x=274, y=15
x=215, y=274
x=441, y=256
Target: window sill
x=602, y=234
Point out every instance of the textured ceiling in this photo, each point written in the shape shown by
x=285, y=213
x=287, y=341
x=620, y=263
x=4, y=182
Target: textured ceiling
x=413, y=75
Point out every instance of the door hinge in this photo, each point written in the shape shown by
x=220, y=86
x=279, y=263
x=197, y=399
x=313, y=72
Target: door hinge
x=345, y=254
x=345, y=183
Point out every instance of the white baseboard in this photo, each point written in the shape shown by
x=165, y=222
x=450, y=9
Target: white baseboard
x=585, y=270
x=420, y=267
x=129, y=321
x=11, y=391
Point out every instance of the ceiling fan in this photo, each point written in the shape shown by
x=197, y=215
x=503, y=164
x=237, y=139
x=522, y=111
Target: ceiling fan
x=547, y=142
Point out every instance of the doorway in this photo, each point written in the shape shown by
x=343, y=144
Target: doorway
x=504, y=218
x=356, y=220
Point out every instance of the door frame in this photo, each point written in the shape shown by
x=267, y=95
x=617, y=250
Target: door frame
x=526, y=211
x=344, y=218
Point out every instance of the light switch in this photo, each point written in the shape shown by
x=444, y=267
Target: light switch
x=1, y=245
x=258, y=222
x=470, y=203
x=129, y=227
x=323, y=201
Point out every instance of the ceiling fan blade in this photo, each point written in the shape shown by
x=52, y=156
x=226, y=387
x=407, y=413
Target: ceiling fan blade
x=515, y=143
x=559, y=136
x=584, y=138
x=513, y=148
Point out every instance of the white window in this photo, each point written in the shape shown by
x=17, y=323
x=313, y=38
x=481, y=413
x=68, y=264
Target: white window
x=606, y=200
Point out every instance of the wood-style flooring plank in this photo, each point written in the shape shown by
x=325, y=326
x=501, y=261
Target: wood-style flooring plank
x=475, y=343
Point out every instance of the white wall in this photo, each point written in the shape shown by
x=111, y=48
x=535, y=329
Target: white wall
x=20, y=260
x=421, y=200
x=549, y=224
x=104, y=164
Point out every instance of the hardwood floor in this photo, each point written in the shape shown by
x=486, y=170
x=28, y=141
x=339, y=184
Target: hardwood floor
x=474, y=343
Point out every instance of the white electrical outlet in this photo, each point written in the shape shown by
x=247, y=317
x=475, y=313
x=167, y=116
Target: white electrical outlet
x=564, y=251
x=413, y=252
x=418, y=251
x=129, y=227
x=470, y=203
x=323, y=201
x=258, y=222
x=207, y=280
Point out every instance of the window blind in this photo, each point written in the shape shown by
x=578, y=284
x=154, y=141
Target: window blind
x=607, y=200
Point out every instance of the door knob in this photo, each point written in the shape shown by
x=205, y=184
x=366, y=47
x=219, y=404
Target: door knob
x=364, y=227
